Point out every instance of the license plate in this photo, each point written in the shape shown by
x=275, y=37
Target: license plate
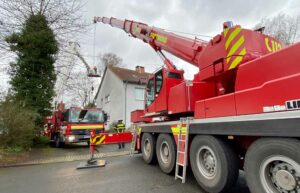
x=86, y=137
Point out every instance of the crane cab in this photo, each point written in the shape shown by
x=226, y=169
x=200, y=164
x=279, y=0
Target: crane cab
x=158, y=88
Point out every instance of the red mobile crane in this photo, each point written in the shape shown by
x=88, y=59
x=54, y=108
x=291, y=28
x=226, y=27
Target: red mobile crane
x=241, y=111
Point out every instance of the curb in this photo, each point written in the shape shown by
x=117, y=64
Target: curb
x=66, y=159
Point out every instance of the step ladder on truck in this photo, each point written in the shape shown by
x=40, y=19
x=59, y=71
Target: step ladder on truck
x=182, y=150
x=245, y=104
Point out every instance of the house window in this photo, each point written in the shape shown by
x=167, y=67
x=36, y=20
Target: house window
x=107, y=98
x=139, y=93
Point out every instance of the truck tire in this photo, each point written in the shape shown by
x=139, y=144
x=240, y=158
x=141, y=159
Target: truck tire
x=214, y=164
x=166, y=153
x=273, y=165
x=148, y=148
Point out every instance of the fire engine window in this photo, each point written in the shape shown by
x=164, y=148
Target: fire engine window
x=158, y=81
x=150, y=92
x=86, y=116
x=74, y=115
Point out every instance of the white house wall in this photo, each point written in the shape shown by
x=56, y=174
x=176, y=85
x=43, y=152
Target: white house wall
x=112, y=86
x=132, y=103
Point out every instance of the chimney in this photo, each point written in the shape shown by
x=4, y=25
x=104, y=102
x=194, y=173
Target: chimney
x=140, y=69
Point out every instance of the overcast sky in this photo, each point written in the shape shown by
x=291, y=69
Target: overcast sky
x=203, y=17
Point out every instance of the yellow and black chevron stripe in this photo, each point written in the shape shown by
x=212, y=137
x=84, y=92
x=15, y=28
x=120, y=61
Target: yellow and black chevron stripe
x=234, y=46
x=99, y=139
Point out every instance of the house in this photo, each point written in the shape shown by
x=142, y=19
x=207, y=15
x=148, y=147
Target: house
x=121, y=91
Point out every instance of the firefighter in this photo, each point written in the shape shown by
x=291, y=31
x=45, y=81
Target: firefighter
x=120, y=128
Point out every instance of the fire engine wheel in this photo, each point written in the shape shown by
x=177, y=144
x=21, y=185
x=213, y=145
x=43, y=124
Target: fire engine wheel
x=214, y=164
x=165, y=152
x=273, y=166
x=148, y=148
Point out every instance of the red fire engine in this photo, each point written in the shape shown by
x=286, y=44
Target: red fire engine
x=241, y=111
x=73, y=125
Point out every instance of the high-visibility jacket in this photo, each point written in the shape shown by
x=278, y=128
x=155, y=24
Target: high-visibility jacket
x=120, y=127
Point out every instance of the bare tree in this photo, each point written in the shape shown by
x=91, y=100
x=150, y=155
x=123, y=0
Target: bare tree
x=64, y=16
x=79, y=89
x=109, y=59
x=283, y=27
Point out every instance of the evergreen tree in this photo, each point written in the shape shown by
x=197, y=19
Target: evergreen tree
x=33, y=73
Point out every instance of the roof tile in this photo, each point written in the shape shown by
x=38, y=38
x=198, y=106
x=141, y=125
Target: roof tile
x=130, y=76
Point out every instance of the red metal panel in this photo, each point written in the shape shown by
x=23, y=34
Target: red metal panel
x=268, y=81
x=136, y=117
x=200, y=110
x=220, y=106
x=111, y=138
x=178, y=99
x=183, y=96
x=206, y=73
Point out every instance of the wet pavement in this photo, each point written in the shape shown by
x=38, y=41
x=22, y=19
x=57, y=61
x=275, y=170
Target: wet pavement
x=71, y=150
x=51, y=154
x=122, y=174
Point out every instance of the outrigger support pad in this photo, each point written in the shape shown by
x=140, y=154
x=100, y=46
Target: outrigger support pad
x=92, y=162
x=101, y=139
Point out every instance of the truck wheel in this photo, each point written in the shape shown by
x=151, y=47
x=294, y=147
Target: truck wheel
x=273, y=165
x=214, y=164
x=148, y=148
x=165, y=152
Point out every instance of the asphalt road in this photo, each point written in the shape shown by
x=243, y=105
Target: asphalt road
x=71, y=150
x=121, y=175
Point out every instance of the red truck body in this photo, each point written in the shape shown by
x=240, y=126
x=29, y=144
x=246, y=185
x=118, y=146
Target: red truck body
x=73, y=125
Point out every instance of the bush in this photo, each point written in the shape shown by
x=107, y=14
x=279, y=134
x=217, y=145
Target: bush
x=41, y=141
x=17, y=126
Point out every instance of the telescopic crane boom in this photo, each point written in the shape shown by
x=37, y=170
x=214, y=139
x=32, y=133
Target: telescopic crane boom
x=159, y=39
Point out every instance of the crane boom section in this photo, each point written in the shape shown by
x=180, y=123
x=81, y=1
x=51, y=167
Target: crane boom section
x=185, y=48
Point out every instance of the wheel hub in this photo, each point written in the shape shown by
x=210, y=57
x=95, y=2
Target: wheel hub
x=209, y=162
x=280, y=174
x=285, y=180
x=164, y=152
x=206, y=162
x=147, y=148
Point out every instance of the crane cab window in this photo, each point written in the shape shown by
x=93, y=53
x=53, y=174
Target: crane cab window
x=150, y=92
x=158, y=81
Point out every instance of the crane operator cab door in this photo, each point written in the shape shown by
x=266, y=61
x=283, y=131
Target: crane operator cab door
x=150, y=96
x=157, y=91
